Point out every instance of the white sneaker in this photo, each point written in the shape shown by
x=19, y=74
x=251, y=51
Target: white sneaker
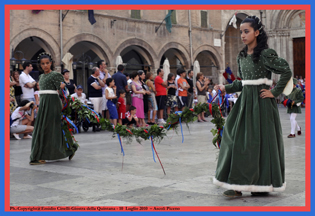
x=161, y=121
x=16, y=136
x=27, y=137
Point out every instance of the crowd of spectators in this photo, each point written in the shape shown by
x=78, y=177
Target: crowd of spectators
x=125, y=98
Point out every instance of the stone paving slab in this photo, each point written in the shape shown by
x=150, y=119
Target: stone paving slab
x=95, y=176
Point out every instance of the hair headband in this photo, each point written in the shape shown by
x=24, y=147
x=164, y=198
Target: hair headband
x=43, y=54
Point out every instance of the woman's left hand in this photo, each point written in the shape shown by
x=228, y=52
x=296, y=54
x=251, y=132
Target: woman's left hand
x=265, y=93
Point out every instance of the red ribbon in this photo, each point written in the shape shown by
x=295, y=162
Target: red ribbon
x=146, y=131
x=210, y=108
x=191, y=109
x=161, y=126
x=157, y=155
x=129, y=131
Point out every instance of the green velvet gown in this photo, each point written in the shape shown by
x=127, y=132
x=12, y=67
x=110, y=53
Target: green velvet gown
x=251, y=157
x=48, y=141
x=296, y=96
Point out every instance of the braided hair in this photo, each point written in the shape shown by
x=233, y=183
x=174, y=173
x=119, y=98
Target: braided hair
x=262, y=38
x=42, y=56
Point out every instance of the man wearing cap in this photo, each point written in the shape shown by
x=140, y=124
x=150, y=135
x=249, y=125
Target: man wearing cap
x=294, y=107
x=79, y=94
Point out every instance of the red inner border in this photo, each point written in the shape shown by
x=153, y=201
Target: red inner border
x=307, y=9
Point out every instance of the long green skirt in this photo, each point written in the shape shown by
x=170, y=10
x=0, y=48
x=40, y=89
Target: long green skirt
x=251, y=157
x=48, y=141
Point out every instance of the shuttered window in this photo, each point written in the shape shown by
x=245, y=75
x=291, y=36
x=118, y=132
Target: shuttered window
x=204, y=18
x=135, y=14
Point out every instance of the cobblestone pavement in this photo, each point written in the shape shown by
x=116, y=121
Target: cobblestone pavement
x=95, y=177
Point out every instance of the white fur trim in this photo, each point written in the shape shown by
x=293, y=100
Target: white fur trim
x=250, y=188
x=288, y=88
x=257, y=82
x=47, y=92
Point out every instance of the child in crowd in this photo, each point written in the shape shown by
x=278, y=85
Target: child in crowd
x=110, y=94
x=183, y=86
x=131, y=117
x=171, y=101
x=209, y=94
x=121, y=106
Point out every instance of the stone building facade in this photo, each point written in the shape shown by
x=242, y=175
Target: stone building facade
x=120, y=33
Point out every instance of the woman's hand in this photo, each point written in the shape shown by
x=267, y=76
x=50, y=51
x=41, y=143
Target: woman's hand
x=265, y=93
x=62, y=85
x=220, y=86
x=29, y=103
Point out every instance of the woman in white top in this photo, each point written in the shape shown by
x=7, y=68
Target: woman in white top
x=20, y=124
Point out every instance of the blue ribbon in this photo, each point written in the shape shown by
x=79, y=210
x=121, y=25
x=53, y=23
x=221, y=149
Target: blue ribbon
x=221, y=131
x=64, y=134
x=72, y=123
x=152, y=148
x=92, y=110
x=87, y=120
x=220, y=99
x=169, y=127
x=121, y=147
x=180, y=122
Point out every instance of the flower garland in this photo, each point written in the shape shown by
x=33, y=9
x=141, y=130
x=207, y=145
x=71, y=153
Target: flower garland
x=158, y=133
x=155, y=133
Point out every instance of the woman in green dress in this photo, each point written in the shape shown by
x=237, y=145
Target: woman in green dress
x=296, y=97
x=48, y=141
x=251, y=157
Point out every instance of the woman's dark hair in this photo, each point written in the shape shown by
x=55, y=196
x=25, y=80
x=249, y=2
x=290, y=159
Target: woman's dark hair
x=35, y=86
x=169, y=76
x=132, y=108
x=43, y=56
x=148, y=75
x=108, y=81
x=23, y=103
x=199, y=75
x=65, y=71
x=134, y=74
x=140, y=72
x=13, y=73
x=262, y=38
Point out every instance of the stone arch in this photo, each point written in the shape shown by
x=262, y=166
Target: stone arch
x=215, y=54
x=45, y=38
x=184, y=54
x=143, y=47
x=101, y=47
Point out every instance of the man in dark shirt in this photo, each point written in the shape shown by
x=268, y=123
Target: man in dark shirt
x=120, y=80
x=95, y=85
x=190, y=93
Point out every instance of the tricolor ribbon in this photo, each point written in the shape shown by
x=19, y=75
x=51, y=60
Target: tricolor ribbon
x=180, y=122
x=66, y=100
x=69, y=121
x=96, y=114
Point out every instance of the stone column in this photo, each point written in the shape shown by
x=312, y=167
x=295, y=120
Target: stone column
x=221, y=77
